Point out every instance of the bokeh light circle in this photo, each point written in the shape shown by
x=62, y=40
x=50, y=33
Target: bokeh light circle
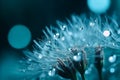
x=19, y=36
x=98, y=6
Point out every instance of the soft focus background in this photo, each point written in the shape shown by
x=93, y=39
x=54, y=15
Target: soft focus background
x=21, y=21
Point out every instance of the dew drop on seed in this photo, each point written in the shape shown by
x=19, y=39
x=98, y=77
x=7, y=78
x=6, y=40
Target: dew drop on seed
x=63, y=27
x=118, y=32
x=40, y=56
x=29, y=59
x=77, y=57
x=63, y=38
x=81, y=28
x=92, y=24
x=47, y=43
x=70, y=33
x=56, y=36
x=86, y=72
x=69, y=49
x=112, y=70
x=106, y=33
x=112, y=58
x=52, y=72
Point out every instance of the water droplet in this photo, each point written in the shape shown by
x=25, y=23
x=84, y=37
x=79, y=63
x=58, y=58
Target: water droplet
x=113, y=44
x=37, y=54
x=63, y=38
x=118, y=31
x=81, y=28
x=92, y=24
x=88, y=70
x=47, y=43
x=112, y=59
x=112, y=70
x=77, y=57
x=106, y=33
x=70, y=33
x=29, y=59
x=40, y=56
x=69, y=49
x=56, y=36
x=52, y=72
x=63, y=27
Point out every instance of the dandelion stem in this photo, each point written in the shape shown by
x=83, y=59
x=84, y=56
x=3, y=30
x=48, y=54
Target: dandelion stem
x=100, y=74
x=74, y=78
x=83, y=77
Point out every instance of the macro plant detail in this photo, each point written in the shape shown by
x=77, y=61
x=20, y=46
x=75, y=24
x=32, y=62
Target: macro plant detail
x=80, y=49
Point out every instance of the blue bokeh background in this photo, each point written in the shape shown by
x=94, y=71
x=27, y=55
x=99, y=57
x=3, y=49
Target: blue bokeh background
x=35, y=15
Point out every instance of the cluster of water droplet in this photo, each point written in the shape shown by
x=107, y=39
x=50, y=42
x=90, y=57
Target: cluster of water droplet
x=79, y=32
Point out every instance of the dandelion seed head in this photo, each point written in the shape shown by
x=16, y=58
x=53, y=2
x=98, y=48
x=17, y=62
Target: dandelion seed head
x=68, y=41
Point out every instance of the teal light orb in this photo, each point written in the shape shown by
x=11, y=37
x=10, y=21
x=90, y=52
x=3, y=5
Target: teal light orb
x=19, y=36
x=98, y=6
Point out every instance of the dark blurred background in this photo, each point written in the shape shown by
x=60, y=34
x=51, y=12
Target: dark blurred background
x=36, y=14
